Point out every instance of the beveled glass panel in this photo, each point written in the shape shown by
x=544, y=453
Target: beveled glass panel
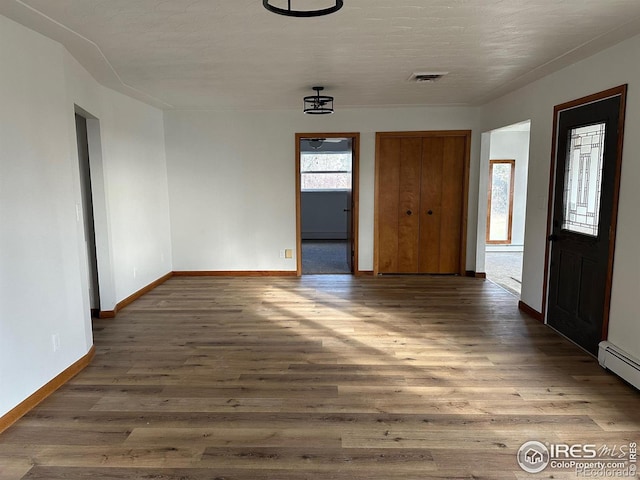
x=583, y=179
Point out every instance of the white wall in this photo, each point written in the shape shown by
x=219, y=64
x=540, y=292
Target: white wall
x=232, y=180
x=129, y=177
x=138, y=195
x=614, y=66
x=515, y=146
x=43, y=278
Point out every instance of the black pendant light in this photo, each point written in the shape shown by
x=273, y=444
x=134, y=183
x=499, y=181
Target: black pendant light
x=316, y=143
x=318, y=104
x=291, y=12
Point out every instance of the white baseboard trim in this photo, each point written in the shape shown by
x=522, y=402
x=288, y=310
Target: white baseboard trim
x=619, y=362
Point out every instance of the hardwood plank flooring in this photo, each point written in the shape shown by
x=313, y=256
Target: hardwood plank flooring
x=323, y=377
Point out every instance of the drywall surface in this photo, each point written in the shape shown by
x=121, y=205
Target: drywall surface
x=232, y=180
x=136, y=179
x=43, y=270
x=40, y=282
x=129, y=180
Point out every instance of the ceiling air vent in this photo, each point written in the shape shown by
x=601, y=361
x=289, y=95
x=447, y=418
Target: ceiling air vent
x=427, y=77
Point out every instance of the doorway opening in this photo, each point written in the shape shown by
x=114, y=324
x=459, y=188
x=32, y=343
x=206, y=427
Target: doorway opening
x=92, y=211
x=86, y=193
x=503, y=193
x=327, y=203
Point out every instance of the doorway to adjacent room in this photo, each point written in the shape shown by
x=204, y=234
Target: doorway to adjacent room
x=87, y=213
x=327, y=199
x=503, y=192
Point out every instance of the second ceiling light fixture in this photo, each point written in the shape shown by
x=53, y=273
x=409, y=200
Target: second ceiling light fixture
x=290, y=11
x=318, y=104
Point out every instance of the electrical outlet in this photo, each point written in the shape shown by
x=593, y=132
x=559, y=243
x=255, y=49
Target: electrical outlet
x=282, y=253
x=162, y=257
x=135, y=272
x=55, y=340
x=288, y=253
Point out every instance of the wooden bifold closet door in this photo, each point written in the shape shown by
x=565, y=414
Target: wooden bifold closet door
x=421, y=202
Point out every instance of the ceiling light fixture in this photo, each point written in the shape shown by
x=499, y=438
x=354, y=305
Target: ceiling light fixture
x=290, y=12
x=318, y=104
x=316, y=143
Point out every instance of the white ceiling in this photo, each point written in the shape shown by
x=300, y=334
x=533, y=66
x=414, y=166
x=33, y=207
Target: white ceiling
x=235, y=54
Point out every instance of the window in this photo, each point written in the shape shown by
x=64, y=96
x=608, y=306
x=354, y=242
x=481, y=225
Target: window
x=500, y=211
x=325, y=171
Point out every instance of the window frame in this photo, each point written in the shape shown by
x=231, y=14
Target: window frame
x=508, y=241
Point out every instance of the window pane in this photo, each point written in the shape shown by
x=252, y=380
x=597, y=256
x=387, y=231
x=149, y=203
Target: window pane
x=583, y=179
x=325, y=181
x=325, y=162
x=325, y=171
x=500, y=202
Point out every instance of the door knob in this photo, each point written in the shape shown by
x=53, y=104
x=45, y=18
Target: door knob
x=430, y=212
x=409, y=212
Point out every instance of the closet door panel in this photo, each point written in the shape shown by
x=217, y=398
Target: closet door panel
x=452, y=195
x=430, y=204
x=421, y=182
x=388, y=197
x=409, y=204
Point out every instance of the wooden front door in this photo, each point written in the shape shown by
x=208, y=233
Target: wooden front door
x=589, y=138
x=421, y=198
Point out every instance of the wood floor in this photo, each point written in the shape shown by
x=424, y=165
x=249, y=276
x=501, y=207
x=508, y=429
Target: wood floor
x=324, y=377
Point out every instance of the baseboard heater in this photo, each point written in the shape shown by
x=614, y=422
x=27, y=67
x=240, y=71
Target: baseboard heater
x=619, y=362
